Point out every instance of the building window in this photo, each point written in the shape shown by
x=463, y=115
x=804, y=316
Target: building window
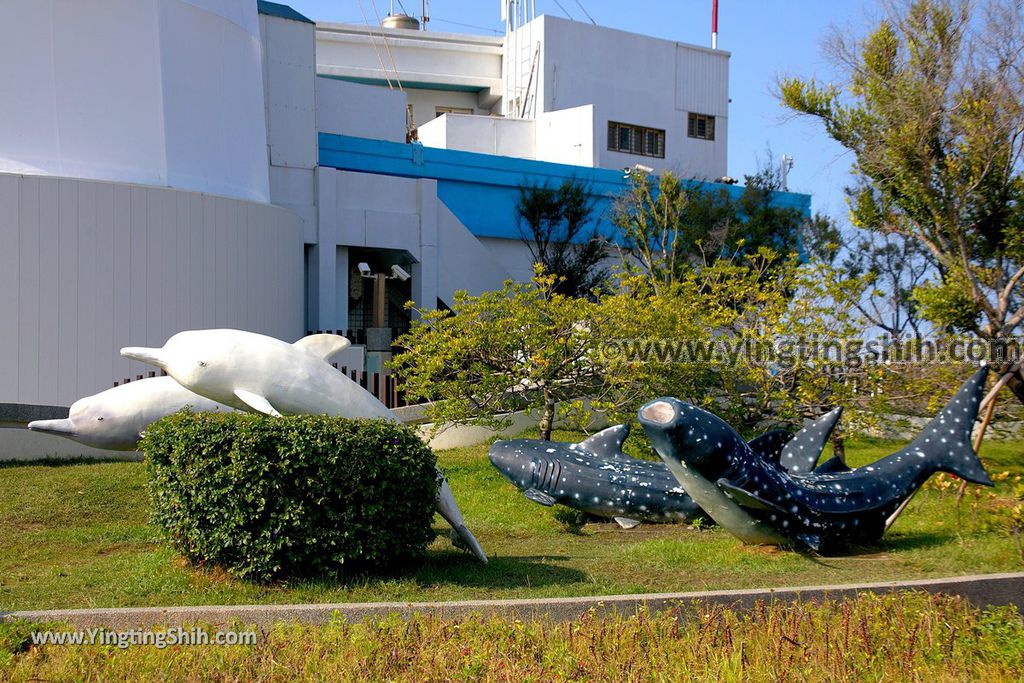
x=649, y=142
x=441, y=111
x=701, y=126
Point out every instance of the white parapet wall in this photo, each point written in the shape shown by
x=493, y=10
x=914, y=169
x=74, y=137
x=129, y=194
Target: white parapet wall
x=481, y=134
x=160, y=92
x=88, y=267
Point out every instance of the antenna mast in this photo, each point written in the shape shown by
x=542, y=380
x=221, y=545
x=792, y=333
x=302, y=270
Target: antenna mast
x=714, y=24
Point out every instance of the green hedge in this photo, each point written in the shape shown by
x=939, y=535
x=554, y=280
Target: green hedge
x=276, y=497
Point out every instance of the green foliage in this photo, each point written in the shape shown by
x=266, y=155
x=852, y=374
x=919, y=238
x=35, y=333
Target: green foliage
x=705, y=335
x=553, y=225
x=725, y=336
x=901, y=637
x=16, y=638
x=271, y=497
x=670, y=226
x=523, y=347
x=933, y=113
x=948, y=305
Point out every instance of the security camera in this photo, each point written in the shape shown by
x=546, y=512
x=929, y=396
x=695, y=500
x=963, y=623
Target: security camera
x=643, y=169
x=399, y=272
x=364, y=269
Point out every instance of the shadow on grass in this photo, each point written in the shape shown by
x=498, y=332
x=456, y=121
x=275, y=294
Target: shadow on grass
x=453, y=568
x=68, y=462
x=499, y=572
x=889, y=544
x=929, y=539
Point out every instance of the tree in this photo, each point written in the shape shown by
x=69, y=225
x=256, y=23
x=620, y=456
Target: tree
x=523, y=347
x=553, y=223
x=933, y=111
x=759, y=220
x=894, y=267
x=669, y=226
x=725, y=336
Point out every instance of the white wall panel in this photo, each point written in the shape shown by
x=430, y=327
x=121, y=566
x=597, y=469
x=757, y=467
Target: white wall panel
x=104, y=303
x=49, y=294
x=122, y=285
x=290, y=74
x=27, y=322
x=84, y=292
x=91, y=267
x=161, y=92
x=343, y=108
x=10, y=271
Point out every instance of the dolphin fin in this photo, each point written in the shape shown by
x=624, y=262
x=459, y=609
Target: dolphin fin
x=323, y=345
x=607, y=443
x=768, y=446
x=800, y=455
x=450, y=512
x=745, y=498
x=539, y=497
x=627, y=522
x=831, y=466
x=946, y=441
x=463, y=538
x=258, y=403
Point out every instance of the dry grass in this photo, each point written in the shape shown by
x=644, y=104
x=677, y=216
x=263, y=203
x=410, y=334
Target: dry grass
x=893, y=638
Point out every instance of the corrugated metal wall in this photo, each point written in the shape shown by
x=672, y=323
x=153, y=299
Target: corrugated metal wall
x=702, y=81
x=88, y=267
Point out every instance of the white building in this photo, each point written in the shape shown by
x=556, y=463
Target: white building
x=578, y=94
x=175, y=164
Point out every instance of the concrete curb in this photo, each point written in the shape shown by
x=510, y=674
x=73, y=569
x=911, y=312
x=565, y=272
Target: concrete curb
x=980, y=590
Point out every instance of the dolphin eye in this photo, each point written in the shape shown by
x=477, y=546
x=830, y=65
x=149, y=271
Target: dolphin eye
x=100, y=419
x=202, y=363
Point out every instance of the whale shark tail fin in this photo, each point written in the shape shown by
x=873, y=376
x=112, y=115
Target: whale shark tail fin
x=946, y=441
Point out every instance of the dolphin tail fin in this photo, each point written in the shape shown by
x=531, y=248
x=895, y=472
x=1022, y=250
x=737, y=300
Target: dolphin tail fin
x=464, y=538
x=449, y=510
x=946, y=441
x=324, y=346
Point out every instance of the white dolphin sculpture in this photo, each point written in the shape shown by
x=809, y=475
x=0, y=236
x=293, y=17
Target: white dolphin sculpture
x=254, y=372
x=115, y=419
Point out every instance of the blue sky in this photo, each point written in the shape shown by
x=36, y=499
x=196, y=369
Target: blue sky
x=767, y=38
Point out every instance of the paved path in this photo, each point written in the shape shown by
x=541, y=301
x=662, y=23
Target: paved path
x=981, y=590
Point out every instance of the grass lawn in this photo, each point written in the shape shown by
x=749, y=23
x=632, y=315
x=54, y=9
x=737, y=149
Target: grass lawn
x=77, y=535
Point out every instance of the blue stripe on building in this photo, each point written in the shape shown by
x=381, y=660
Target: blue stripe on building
x=482, y=189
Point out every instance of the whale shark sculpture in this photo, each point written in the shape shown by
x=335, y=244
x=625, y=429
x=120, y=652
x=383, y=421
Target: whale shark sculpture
x=596, y=477
x=254, y=372
x=821, y=510
x=115, y=419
